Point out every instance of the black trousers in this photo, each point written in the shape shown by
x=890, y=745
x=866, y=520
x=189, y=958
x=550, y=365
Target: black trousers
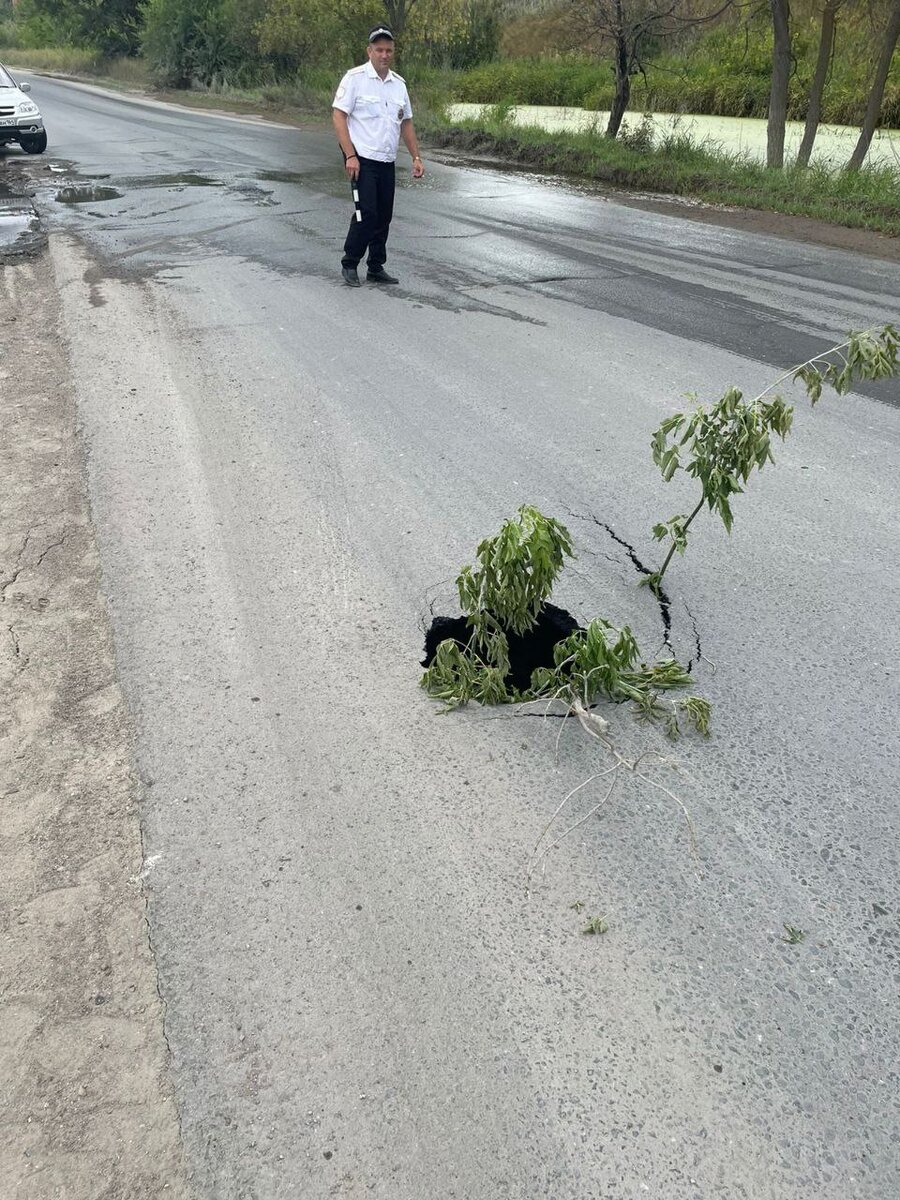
x=375, y=183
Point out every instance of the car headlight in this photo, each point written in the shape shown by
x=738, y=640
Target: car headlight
x=26, y=109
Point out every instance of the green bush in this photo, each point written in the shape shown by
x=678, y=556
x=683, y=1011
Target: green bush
x=527, y=81
x=109, y=27
x=187, y=41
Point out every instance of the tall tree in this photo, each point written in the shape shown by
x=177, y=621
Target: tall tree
x=876, y=95
x=625, y=59
x=627, y=29
x=817, y=86
x=781, y=76
x=398, y=13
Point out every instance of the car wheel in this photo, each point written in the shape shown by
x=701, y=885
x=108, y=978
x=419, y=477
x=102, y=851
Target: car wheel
x=35, y=144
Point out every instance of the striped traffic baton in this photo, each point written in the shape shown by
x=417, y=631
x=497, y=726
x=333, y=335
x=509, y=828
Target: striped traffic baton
x=354, y=192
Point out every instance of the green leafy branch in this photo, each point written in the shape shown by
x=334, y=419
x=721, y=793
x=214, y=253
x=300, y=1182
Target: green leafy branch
x=517, y=571
x=602, y=662
x=720, y=446
x=504, y=593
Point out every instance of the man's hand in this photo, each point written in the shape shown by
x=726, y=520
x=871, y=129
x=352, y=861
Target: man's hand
x=351, y=166
x=418, y=168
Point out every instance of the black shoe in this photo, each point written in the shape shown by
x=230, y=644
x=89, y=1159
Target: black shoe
x=350, y=276
x=379, y=275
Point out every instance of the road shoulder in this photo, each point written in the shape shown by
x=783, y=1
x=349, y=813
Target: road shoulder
x=90, y=1111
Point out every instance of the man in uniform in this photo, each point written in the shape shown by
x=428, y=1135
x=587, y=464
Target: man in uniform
x=371, y=112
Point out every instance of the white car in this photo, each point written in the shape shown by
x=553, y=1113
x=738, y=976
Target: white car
x=20, y=117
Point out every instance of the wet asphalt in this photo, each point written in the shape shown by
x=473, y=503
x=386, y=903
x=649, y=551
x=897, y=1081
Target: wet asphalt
x=362, y=997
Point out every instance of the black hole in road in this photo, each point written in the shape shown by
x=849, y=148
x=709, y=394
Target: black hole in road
x=85, y=195
x=527, y=651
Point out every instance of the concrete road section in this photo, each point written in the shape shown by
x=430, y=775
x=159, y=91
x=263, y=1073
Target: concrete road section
x=362, y=998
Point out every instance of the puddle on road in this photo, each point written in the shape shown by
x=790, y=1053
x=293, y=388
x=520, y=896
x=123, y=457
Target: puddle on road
x=20, y=227
x=86, y=195
x=92, y=193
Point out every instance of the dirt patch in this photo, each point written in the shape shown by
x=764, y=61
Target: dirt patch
x=88, y=1112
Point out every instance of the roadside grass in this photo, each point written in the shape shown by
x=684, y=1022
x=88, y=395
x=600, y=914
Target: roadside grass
x=71, y=62
x=679, y=165
x=66, y=60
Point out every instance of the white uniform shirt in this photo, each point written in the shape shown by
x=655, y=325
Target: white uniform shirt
x=375, y=108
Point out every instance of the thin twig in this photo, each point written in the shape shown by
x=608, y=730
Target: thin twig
x=809, y=362
x=562, y=837
x=681, y=805
x=559, y=734
x=565, y=800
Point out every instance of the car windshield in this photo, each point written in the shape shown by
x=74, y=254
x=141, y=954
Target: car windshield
x=5, y=80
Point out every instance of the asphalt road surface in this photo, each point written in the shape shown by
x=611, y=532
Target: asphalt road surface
x=362, y=997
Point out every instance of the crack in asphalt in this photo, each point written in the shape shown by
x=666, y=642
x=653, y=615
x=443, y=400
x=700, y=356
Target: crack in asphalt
x=526, y=283
x=6, y=584
x=695, y=658
x=17, y=569
x=662, y=598
x=52, y=546
x=21, y=662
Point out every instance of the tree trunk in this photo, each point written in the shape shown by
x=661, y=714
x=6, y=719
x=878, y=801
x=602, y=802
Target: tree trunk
x=817, y=87
x=623, y=86
x=781, y=73
x=397, y=11
x=876, y=95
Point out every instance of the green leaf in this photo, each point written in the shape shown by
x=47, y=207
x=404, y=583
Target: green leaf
x=596, y=926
